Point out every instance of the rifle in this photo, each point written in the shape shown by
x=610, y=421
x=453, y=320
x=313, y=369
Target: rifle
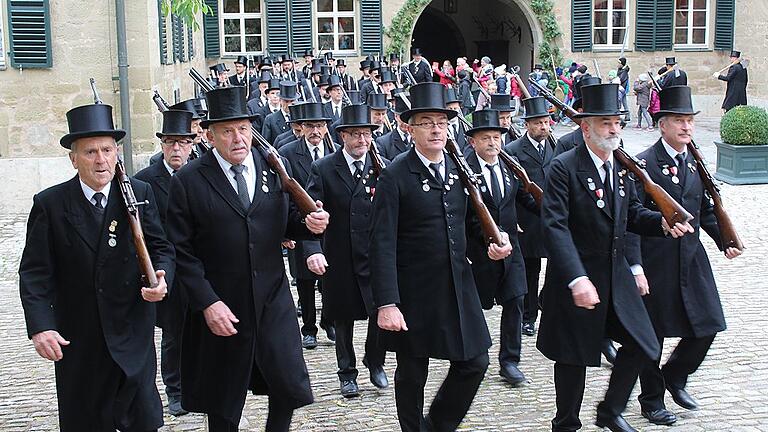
x=469, y=180
x=300, y=197
x=148, y=276
x=528, y=185
x=672, y=211
x=524, y=89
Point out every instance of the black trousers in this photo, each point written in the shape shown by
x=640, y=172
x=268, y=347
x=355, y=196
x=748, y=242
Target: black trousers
x=511, y=331
x=345, y=349
x=306, y=289
x=531, y=304
x=170, y=353
x=570, y=380
x=684, y=360
x=452, y=400
x=278, y=419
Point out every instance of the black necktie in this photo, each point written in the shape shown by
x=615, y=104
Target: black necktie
x=242, y=187
x=541, y=151
x=455, y=128
x=358, y=170
x=607, y=182
x=316, y=152
x=97, y=197
x=436, y=168
x=495, y=188
x=336, y=111
x=681, y=167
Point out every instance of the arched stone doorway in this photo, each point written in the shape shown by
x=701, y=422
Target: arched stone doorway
x=505, y=30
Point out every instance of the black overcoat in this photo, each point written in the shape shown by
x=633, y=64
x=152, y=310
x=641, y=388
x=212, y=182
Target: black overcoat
x=391, y=144
x=418, y=262
x=500, y=280
x=585, y=240
x=684, y=301
x=736, y=91
x=274, y=125
x=73, y=282
x=227, y=253
x=568, y=141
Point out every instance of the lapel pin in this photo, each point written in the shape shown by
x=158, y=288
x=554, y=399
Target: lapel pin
x=482, y=188
x=691, y=167
x=675, y=180
x=447, y=187
x=367, y=190
x=112, y=242
x=425, y=187
x=621, y=191
x=450, y=182
x=665, y=170
x=264, y=188
x=600, y=203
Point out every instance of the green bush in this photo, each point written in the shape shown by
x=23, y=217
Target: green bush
x=745, y=125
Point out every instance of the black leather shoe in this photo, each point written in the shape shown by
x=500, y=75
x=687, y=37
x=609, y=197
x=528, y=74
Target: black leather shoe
x=609, y=351
x=349, y=389
x=662, y=417
x=682, y=398
x=174, y=407
x=330, y=333
x=379, y=377
x=615, y=424
x=512, y=374
x=309, y=342
x=529, y=329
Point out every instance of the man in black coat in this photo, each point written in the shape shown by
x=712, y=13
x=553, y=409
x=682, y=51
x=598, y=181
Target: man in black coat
x=428, y=306
x=347, y=81
x=256, y=104
x=683, y=300
x=499, y=281
x=456, y=128
x=737, y=79
x=294, y=131
x=674, y=76
x=345, y=183
x=575, y=137
x=419, y=68
x=199, y=145
x=277, y=122
x=534, y=155
x=332, y=108
x=300, y=154
x=399, y=140
x=240, y=78
x=589, y=291
x=176, y=145
x=81, y=288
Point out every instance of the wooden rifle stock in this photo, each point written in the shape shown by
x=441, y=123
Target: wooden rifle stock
x=670, y=209
x=376, y=160
x=300, y=197
x=528, y=185
x=488, y=226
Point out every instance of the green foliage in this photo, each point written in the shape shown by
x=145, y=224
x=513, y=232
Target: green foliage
x=402, y=25
x=745, y=125
x=187, y=10
x=548, y=49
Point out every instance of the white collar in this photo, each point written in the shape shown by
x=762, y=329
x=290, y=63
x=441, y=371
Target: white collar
x=483, y=163
x=533, y=141
x=426, y=161
x=89, y=193
x=350, y=160
x=168, y=167
x=670, y=150
x=311, y=148
x=226, y=165
x=599, y=162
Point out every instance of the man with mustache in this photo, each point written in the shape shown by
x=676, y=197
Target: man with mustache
x=590, y=292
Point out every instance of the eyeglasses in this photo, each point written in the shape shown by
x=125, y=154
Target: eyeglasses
x=181, y=143
x=313, y=125
x=357, y=135
x=429, y=125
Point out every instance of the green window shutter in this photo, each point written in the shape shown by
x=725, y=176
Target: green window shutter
x=724, y=15
x=162, y=33
x=301, y=25
x=30, y=34
x=277, y=26
x=581, y=25
x=370, y=27
x=177, y=35
x=211, y=30
x=655, y=22
x=190, y=42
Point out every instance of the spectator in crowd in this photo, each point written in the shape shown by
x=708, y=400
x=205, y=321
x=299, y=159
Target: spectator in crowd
x=643, y=92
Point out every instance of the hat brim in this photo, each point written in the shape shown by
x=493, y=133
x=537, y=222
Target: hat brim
x=406, y=115
x=661, y=113
x=286, y=98
x=302, y=120
x=188, y=135
x=205, y=123
x=539, y=115
x=601, y=114
x=474, y=130
x=370, y=126
x=452, y=101
x=67, y=140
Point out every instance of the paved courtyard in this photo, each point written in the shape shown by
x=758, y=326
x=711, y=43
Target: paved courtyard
x=732, y=384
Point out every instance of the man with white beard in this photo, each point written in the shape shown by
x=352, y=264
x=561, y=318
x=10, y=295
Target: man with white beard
x=590, y=292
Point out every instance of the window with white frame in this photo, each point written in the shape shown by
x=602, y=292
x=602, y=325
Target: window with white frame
x=335, y=25
x=691, y=18
x=2, y=41
x=241, y=26
x=609, y=23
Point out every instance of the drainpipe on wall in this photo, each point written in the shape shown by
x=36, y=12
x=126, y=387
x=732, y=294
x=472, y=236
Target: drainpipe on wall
x=122, y=71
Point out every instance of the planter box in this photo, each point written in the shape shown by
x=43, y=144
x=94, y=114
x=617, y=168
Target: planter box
x=742, y=164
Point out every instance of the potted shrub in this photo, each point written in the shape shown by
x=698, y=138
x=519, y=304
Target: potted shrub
x=742, y=156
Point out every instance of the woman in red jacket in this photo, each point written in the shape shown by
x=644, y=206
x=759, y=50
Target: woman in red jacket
x=446, y=73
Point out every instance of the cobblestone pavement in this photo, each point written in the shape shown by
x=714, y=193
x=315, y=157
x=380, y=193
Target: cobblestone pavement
x=731, y=385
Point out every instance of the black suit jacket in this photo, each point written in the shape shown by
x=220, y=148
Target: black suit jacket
x=391, y=144
x=284, y=138
x=435, y=289
x=584, y=239
x=674, y=78
x=569, y=141
x=736, y=91
x=503, y=280
x=71, y=280
x=274, y=125
x=328, y=111
x=523, y=149
x=421, y=71
x=233, y=80
x=232, y=254
x=684, y=301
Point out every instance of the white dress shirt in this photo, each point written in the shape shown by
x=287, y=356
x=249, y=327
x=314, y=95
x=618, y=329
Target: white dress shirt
x=249, y=172
x=537, y=144
x=351, y=161
x=89, y=193
x=672, y=152
x=426, y=163
x=168, y=167
x=312, y=148
x=487, y=174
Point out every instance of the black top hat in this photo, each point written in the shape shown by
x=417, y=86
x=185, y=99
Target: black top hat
x=600, y=100
x=586, y=80
x=487, y=119
x=264, y=76
x=427, y=97
x=317, y=62
x=375, y=64
x=386, y=76
x=221, y=67
x=334, y=81
x=286, y=59
x=537, y=66
x=90, y=121
x=326, y=70
x=451, y=96
x=252, y=64
x=243, y=60
x=353, y=95
x=287, y=90
x=341, y=62
x=356, y=115
x=400, y=105
x=377, y=101
x=535, y=107
x=192, y=105
x=226, y=104
x=394, y=57
x=328, y=56
x=257, y=59
x=265, y=62
x=312, y=111
x=274, y=84
x=309, y=52
x=323, y=81
x=416, y=51
x=735, y=53
x=501, y=102
x=365, y=64
x=670, y=61
x=295, y=112
x=177, y=122
x=675, y=100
